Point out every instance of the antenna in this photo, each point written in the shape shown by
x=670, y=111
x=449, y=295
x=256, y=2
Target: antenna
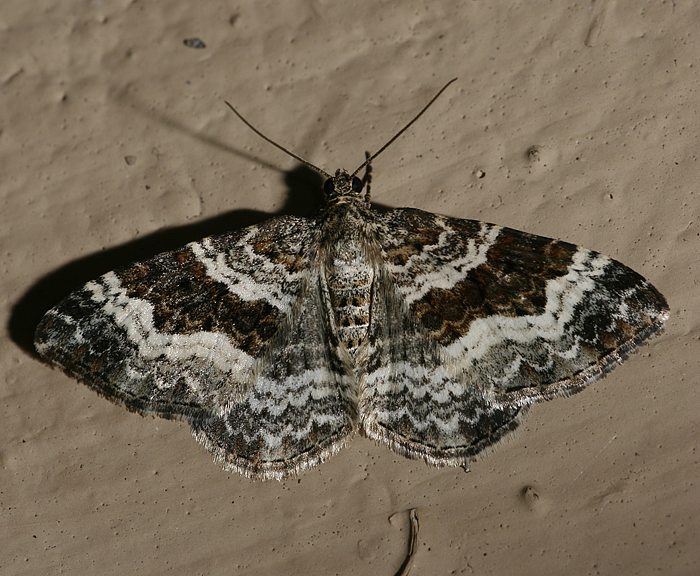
x=367, y=160
x=292, y=154
x=406, y=127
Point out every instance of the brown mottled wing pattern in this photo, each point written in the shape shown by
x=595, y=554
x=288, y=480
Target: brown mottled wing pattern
x=300, y=408
x=475, y=322
x=216, y=332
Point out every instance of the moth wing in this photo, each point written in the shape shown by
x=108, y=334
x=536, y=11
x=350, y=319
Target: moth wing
x=301, y=405
x=477, y=322
x=180, y=335
x=227, y=332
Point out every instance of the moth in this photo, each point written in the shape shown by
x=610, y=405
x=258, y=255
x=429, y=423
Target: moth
x=280, y=341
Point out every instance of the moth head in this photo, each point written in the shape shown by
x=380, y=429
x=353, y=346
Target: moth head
x=342, y=186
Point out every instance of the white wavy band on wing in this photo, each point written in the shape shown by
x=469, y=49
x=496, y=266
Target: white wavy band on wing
x=448, y=426
x=563, y=294
x=296, y=390
x=273, y=439
x=429, y=276
x=417, y=380
x=244, y=283
x=136, y=317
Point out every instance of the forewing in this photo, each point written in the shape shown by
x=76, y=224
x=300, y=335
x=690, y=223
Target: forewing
x=180, y=335
x=501, y=318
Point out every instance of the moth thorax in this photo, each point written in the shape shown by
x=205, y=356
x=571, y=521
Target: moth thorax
x=349, y=275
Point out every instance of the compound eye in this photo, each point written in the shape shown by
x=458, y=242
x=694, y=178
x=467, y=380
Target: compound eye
x=356, y=184
x=329, y=187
